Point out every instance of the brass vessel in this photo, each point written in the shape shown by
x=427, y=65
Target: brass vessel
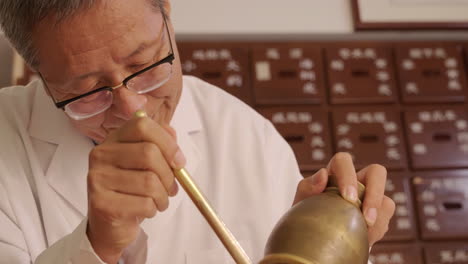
x=323, y=229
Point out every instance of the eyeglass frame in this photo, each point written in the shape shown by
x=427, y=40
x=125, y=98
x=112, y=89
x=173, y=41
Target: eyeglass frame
x=168, y=59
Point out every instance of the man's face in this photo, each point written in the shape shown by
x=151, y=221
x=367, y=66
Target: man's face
x=102, y=46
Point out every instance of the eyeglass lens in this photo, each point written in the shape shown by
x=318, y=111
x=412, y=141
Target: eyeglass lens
x=99, y=102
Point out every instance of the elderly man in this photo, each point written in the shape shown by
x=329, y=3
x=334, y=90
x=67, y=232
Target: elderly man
x=83, y=181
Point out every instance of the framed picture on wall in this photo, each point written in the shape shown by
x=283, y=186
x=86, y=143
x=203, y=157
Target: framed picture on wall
x=410, y=14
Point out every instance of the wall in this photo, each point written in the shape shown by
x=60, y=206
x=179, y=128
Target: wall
x=242, y=17
x=262, y=16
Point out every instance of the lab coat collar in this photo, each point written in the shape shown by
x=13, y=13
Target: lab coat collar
x=67, y=170
x=187, y=123
x=48, y=123
x=51, y=125
x=186, y=118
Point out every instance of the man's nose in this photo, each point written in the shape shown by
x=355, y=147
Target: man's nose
x=127, y=102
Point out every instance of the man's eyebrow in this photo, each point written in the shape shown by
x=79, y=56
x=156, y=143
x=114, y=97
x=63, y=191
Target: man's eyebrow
x=140, y=49
x=144, y=46
x=86, y=75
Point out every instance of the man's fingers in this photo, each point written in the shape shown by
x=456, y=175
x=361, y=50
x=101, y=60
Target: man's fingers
x=311, y=185
x=119, y=206
x=342, y=167
x=374, y=178
x=146, y=130
x=132, y=182
x=171, y=131
x=136, y=156
x=378, y=230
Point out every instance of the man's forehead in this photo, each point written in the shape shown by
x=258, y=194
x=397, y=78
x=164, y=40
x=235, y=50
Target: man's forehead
x=90, y=31
x=94, y=34
x=83, y=67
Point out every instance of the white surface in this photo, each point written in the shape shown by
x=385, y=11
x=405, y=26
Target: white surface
x=414, y=11
x=261, y=16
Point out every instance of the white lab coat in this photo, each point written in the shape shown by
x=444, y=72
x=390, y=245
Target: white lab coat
x=242, y=164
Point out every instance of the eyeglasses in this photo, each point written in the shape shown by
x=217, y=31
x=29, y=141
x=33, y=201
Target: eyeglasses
x=99, y=100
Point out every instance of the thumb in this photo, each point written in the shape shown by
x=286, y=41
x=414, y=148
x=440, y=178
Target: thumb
x=311, y=185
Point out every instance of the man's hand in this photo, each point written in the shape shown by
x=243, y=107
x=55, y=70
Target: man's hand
x=378, y=209
x=130, y=178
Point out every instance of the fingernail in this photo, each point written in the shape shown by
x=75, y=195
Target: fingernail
x=174, y=189
x=371, y=216
x=351, y=194
x=179, y=160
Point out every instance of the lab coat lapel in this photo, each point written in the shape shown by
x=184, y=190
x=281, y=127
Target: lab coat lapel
x=186, y=122
x=68, y=167
x=68, y=170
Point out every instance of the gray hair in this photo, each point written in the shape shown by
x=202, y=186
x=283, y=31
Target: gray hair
x=18, y=18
